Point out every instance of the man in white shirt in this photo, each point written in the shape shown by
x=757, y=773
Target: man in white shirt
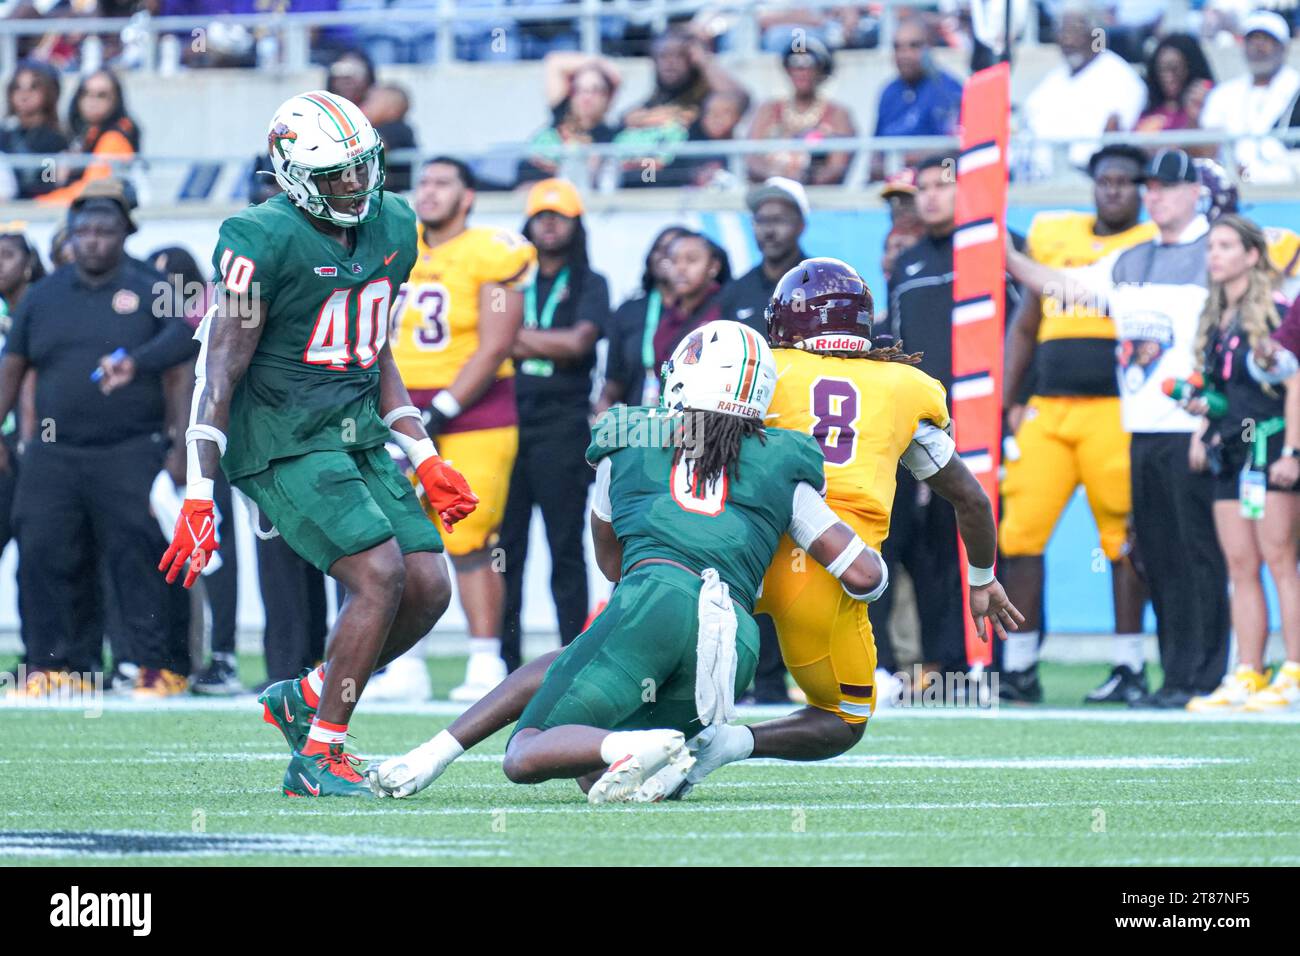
x=1092, y=92
x=1252, y=105
x=1155, y=292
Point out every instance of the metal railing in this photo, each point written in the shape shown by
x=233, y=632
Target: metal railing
x=597, y=167
x=291, y=32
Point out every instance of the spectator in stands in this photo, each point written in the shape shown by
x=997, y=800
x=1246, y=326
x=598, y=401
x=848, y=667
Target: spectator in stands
x=1253, y=105
x=100, y=127
x=1178, y=78
x=718, y=122
x=805, y=115
x=351, y=76
x=1092, y=92
x=31, y=127
x=566, y=312
x=386, y=106
x=631, y=372
x=922, y=100
x=686, y=72
x=83, y=492
x=579, y=91
x=1256, y=472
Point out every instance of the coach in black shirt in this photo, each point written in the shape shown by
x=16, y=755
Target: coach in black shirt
x=565, y=312
x=83, y=492
x=780, y=211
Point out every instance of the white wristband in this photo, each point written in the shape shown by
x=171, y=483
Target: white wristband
x=421, y=452
x=978, y=577
x=446, y=403
x=402, y=411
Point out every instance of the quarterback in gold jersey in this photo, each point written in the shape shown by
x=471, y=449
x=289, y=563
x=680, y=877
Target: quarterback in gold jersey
x=1069, y=432
x=455, y=323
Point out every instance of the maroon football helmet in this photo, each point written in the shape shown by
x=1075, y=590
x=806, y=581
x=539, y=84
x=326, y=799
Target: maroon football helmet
x=821, y=305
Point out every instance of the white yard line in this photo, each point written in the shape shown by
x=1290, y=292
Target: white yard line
x=437, y=708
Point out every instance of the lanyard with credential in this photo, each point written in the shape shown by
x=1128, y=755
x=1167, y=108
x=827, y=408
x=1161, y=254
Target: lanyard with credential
x=540, y=366
x=653, y=307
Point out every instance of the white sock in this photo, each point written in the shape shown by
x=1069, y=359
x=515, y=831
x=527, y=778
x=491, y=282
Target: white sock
x=325, y=736
x=1020, y=650
x=620, y=743
x=1129, y=650
x=485, y=645
x=735, y=742
x=444, y=748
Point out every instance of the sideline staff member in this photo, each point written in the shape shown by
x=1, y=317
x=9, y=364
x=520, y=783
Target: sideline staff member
x=84, y=485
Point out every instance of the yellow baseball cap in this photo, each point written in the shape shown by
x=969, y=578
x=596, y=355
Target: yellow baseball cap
x=554, y=195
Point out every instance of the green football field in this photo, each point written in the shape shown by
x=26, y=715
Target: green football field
x=191, y=782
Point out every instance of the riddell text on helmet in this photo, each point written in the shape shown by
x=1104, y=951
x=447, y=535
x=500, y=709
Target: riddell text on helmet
x=835, y=343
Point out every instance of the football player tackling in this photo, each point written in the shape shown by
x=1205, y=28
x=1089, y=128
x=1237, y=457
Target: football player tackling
x=869, y=410
x=296, y=395
x=689, y=504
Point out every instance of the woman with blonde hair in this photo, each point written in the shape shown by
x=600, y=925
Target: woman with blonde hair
x=1250, y=443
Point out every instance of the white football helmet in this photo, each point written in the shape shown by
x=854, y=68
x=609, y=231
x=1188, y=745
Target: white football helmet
x=323, y=147
x=723, y=367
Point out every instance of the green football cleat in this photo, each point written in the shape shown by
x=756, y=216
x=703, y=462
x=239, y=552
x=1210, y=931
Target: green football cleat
x=332, y=774
x=284, y=707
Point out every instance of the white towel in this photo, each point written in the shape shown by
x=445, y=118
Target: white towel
x=715, y=653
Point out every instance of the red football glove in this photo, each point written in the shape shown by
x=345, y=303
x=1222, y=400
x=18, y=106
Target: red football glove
x=447, y=490
x=194, y=540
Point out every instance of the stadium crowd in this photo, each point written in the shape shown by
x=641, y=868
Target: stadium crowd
x=1184, y=432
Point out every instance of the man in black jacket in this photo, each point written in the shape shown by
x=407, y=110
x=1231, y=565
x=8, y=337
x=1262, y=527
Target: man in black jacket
x=923, y=528
x=99, y=347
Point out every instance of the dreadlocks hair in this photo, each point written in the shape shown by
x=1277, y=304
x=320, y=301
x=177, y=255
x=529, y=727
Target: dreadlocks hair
x=893, y=352
x=711, y=442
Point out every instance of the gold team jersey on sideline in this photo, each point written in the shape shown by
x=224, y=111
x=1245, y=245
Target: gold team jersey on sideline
x=863, y=413
x=436, y=315
x=1076, y=352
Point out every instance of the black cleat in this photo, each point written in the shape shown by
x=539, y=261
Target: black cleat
x=1123, y=686
x=1166, y=698
x=218, y=679
x=1020, y=687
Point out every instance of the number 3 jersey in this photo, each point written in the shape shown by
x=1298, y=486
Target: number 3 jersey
x=313, y=383
x=865, y=415
x=437, y=320
x=734, y=525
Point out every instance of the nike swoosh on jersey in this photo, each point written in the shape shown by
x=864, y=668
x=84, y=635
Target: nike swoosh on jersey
x=745, y=313
x=914, y=268
x=391, y=256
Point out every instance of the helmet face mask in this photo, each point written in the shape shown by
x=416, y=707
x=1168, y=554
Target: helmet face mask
x=328, y=158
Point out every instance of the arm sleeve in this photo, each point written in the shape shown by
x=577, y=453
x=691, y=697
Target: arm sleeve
x=929, y=450
x=810, y=515
x=173, y=345
x=600, y=503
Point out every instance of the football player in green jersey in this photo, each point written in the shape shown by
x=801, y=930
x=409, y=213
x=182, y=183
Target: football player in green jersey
x=297, y=394
x=689, y=506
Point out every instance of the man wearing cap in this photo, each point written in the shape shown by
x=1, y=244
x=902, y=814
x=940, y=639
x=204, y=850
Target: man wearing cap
x=459, y=313
x=1258, y=103
x=779, y=210
x=1155, y=292
x=83, y=492
x=566, y=311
